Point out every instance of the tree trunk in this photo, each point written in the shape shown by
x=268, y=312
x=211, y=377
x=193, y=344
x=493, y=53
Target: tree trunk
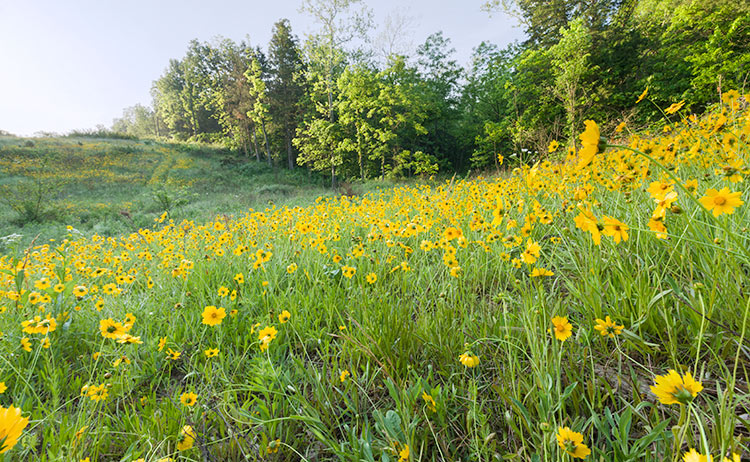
x=289, y=152
x=265, y=140
x=255, y=146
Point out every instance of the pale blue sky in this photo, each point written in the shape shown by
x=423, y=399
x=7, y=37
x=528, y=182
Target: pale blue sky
x=71, y=64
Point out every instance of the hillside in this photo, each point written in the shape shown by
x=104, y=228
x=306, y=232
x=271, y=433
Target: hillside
x=110, y=186
x=592, y=307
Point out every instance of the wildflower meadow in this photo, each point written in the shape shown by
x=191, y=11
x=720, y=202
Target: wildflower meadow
x=590, y=306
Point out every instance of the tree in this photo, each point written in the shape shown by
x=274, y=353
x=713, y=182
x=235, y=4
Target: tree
x=439, y=83
x=570, y=61
x=259, y=112
x=339, y=24
x=285, y=88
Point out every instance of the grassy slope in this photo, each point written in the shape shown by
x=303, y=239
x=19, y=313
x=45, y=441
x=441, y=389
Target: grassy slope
x=110, y=187
x=683, y=302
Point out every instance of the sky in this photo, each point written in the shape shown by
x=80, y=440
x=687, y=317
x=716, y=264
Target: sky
x=74, y=64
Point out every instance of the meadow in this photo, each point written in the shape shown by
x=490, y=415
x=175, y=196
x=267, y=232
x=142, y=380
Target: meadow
x=113, y=186
x=591, y=306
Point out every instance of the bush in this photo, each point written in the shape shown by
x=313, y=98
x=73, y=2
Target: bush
x=32, y=199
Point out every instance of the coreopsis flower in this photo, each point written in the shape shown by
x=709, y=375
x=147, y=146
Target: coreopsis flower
x=266, y=335
x=292, y=268
x=642, y=95
x=239, y=278
x=403, y=454
x=189, y=399
x=371, y=278
x=608, y=328
x=162, y=343
x=110, y=328
x=590, y=143
x=186, y=438
x=675, y=389
x=429, y=401
x=469, y=360
x=674, y=107
x=659, y=189
x=587, y=221
x=173, y=355
x=561, y=328
x=26, y=344
x=128, y=339
x=80, y=291
x=213, y=316
x=344, y=375
x=541, y=272
x=211, y=352
x=273, y=446
x=720, y=202
x=3, y=387
x=572, y=443
x=694, y=456
x=452, y=233
x=530, y=255
x=553, y=145
x=223, y=291
x=348, y=271
x=615, y=229
x=284, y=316
x=11, y=427
x=657, y=226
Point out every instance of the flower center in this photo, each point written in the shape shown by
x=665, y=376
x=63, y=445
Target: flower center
x=720, y=200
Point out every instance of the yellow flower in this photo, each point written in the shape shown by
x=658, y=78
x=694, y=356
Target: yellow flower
x=531, y=253
x=723, y=201
x=343, y=376
x=643, y=95
x=348, y=271
x=26, y=344
x=553, y=146
x=186, y=438
x=562, y=328
x=189, y=399
x=694, y=456
x=572, y=443
x=371, y=278
x=111, y=329
x=615, y=228
x=3, y=387
x=673, y=389
x=469, y=360
x=429, y=401
x=539, y=272
x=674, y=107
x=403, y=454
x=11, y=426
x=266, y=335
x=211, y=352
x=291, y=268
x=213, y=316
x=608, y=328
x=223, y=291
x=162, y=343
x=590, y=143
x=284, y=316
x=80, y=291
x=173, y=355
x=273, y=446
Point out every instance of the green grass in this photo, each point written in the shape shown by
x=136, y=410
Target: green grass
x=111, y=187
x=683, y=303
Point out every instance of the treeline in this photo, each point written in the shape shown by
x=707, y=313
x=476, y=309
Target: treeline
x=340, y=103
